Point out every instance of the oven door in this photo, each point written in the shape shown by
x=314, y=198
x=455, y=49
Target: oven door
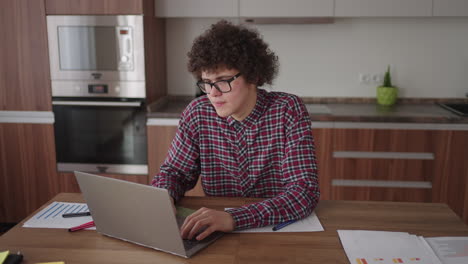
x=101, y=136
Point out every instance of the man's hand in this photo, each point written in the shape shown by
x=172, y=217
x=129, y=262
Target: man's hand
x=213, y=220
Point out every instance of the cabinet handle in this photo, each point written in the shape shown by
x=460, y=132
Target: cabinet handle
x=383, y=155
x=94, y=103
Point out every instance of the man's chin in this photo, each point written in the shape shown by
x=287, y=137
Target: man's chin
x=222, y=114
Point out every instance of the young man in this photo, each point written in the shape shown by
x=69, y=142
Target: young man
x=241, y=140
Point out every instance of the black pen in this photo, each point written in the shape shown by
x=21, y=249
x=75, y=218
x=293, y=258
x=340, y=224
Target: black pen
x=76, y=214
x=281, y=225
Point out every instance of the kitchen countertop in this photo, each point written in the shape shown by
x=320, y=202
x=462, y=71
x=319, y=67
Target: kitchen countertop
x=410, y=111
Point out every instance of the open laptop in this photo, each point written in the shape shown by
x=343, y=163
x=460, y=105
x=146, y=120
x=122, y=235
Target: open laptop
x=137, y=213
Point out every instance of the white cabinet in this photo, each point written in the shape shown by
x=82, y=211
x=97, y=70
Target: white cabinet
x=383, y=8
x=450, y=8
x=282, y=8
x=196, y=8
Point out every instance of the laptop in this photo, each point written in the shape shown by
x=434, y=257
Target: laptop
x=137, y=213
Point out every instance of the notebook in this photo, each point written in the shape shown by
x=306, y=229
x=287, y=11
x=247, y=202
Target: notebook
x=137, y=213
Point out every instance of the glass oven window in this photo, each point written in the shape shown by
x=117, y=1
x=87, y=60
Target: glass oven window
x=98, y=134
x=87, y=48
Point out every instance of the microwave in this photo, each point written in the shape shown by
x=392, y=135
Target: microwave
x=96, y=56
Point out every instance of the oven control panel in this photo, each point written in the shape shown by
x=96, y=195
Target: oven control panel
x=99, y=89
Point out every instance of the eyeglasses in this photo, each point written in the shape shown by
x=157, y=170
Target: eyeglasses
x=224, y=86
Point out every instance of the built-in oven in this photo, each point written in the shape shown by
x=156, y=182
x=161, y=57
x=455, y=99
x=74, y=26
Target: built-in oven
x=106, y=135
x=97, y=74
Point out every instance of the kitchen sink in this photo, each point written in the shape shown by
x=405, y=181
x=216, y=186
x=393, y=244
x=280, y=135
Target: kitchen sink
x=459, y=109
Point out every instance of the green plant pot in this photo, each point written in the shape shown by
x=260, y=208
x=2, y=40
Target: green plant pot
x=386, y=95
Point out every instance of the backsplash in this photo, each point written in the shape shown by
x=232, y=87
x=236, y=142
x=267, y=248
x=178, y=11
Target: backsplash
x=428, y=56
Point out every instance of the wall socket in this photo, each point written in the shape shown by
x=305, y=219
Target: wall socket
x=371, y=78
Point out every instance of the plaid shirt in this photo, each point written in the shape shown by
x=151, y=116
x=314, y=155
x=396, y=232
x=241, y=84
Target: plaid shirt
x=270, y=154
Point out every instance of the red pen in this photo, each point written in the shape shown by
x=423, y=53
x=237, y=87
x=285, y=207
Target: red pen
x=81, y=227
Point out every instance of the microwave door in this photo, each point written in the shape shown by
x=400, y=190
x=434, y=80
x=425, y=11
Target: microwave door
x=86, y=48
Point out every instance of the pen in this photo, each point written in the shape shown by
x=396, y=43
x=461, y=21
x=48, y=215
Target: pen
x=76, y=214
x=281, y=225
x=80, y=227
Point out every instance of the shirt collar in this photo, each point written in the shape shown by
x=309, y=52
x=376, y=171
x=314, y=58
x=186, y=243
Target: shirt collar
x=256, y=113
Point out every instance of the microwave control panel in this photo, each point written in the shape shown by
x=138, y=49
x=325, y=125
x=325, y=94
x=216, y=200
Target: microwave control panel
x=124, y=35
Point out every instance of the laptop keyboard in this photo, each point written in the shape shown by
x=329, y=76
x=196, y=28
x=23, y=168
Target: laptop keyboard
x=190, y=243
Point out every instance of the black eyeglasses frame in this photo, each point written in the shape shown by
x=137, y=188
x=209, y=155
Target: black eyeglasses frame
x=201, y=84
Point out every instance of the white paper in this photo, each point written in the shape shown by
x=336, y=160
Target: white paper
x=308, y=224
x=51, y=216
x=368, y=247
x=450, y=250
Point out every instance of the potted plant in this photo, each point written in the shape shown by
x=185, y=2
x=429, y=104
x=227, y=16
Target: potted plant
x=387, y=93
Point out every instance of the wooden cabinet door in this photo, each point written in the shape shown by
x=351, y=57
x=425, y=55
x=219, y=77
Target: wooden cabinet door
x=28, y=175
x=68, y=183
x=383, y=8
x=451, y=174
x=94, y=7
x=24, y=66
x=450, y=8
x=196, y=8
x=281, y=8
x=323, y=145
x=159, y=142
x=383, y=164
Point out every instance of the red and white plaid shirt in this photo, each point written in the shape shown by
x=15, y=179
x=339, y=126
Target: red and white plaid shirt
x=270, y=154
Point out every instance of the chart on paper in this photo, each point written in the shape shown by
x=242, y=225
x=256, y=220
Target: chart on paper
x=388, y=260
x=450, y=250
x=51, y=216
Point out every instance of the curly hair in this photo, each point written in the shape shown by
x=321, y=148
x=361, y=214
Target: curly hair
x=233, y=47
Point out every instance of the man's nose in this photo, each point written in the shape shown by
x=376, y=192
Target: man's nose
x=215, y=92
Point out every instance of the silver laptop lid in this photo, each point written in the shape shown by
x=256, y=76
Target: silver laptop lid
x=132, y=212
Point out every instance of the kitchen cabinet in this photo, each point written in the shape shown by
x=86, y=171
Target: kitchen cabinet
x=323, y=144
x=383, y=8
x=68, y=183
x=280, y=8
x=24, y=66
x=159, y=141
x=94, y=7
x=384, y=164
x=451, y=175
x=196, y=8
x=28, y=176
x=450, y=8
x=380, y=164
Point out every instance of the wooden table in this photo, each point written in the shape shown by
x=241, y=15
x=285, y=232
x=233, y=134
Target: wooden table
x=426, y=219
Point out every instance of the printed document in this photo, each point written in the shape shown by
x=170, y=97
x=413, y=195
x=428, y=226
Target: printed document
x=51, y=216
x=382, y=247
x=308, y=224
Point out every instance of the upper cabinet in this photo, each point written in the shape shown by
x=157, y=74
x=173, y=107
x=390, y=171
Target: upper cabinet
x=281, y=8
x=384, y=8
x=94, y=7
x=450, y=8
x=196, y=8
x=24, y=69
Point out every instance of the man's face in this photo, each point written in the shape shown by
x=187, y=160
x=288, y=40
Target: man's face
x=239, y=102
